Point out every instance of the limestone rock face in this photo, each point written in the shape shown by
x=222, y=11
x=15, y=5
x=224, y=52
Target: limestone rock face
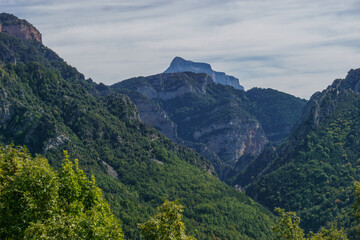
x=152, y=114
x=18, y=28
x=170, y=86
x=23, y=31
x=228, y=126
x=189, y=109
x=179, y=64
x=233, y=139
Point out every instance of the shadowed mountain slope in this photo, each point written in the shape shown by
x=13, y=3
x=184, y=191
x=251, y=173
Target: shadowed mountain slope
x=312, y=172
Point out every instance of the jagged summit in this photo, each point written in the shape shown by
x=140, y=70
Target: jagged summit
x=179, y=64
x=352, y=81
x=20, y=28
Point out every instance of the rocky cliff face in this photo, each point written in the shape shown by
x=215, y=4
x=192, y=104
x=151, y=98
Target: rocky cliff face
x=189, y=109
x=233, y=139
x=18, y=28
x=179, y=64
x=227, y=126
x=152, y=114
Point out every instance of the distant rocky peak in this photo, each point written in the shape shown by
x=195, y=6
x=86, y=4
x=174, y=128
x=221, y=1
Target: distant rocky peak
x=179, y=64
x=20, y=28
x=352, y=81
x=322, y=104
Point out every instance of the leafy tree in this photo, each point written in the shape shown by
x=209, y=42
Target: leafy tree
x=38, y=203
x=167, y=224
x=328, y=234
x=287, y=228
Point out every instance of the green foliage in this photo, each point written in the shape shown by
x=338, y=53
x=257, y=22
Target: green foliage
x=9, y=19
x=277, y=112
x=38, y=203
x=195, y=104
x=287, y=228
x=166, y=224
x=49, y=106
x=312, y=172
x=328, y=234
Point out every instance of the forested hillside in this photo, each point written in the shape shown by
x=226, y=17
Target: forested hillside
x=313, y=172
x=48, y=106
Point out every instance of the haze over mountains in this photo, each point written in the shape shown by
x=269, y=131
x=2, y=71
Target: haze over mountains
x=136, y=137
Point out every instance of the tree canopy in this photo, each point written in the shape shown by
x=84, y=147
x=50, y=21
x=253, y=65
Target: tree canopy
x=166, y=224
x=37, y=202
x=287, y=228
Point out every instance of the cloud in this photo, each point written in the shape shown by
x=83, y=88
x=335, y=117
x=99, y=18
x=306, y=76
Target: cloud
x=297, y=46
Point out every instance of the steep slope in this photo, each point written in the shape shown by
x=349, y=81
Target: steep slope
x=48, y=106
x=222, y=123
x=179, y=64
x=313, y=171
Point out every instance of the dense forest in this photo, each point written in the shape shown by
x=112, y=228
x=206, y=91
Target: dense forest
x=77, y=161
x=313, y=172
x=49, y=107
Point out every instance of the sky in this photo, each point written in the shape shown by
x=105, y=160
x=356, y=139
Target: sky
x=295, y=46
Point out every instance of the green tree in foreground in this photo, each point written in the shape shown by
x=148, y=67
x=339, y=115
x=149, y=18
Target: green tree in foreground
x=287, y=228
x=167, y=224
x=38, y=203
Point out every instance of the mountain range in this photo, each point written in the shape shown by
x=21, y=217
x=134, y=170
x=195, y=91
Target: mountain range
x=226, y=125
x=174, y=135
x=179, y=64
x=49, y=106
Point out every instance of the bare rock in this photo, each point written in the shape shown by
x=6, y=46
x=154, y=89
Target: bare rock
x=18, y=28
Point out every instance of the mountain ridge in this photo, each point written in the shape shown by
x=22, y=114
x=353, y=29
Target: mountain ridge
x=49, y=106
x=316, y=166
x=222, y=123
